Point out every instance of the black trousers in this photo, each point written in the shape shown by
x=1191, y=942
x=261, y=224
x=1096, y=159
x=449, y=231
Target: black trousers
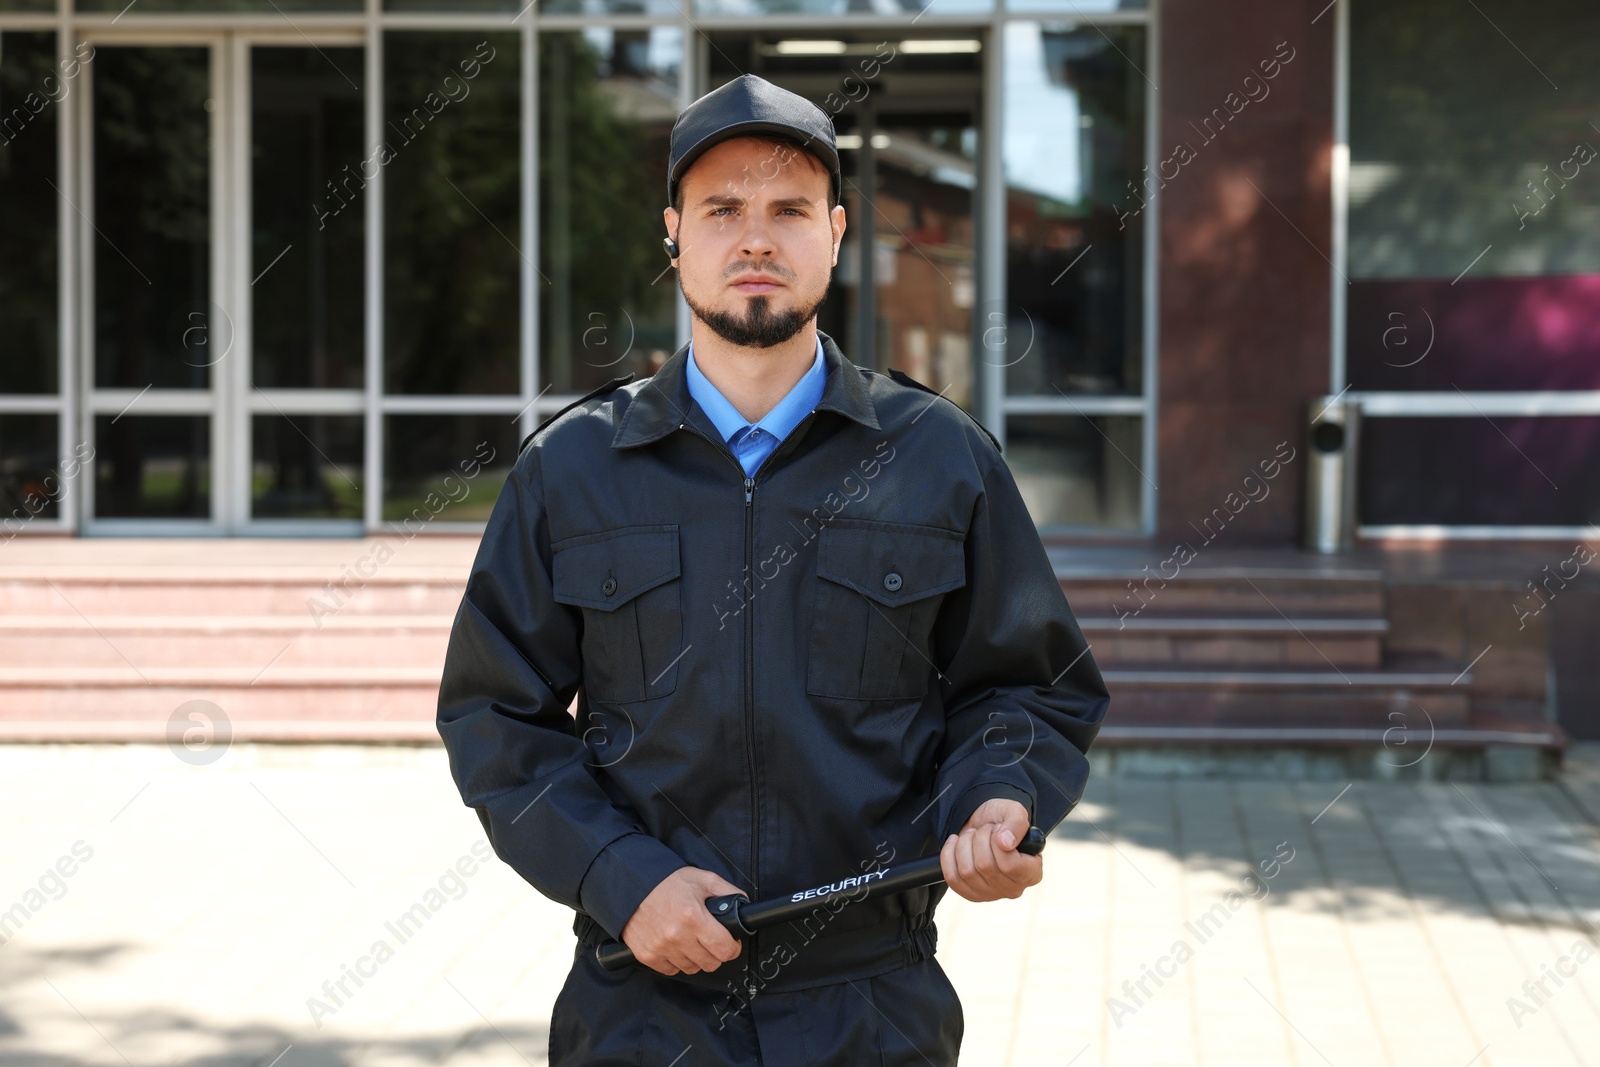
x=909, y=1017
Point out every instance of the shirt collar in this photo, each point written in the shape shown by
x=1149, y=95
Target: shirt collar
x=785, y=414
x=661, y=402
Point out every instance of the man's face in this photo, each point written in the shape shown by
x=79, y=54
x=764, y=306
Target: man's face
x=756, y=241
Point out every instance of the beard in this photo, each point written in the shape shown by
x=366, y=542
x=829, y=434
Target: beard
x=757, y=327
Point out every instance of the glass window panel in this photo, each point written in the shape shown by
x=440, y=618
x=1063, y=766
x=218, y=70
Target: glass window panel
x=1075, y=7
x=458, y=6
x=445, y=467
x=452, y=265
x=1478, y=334
x=152, y=466
x=29, y=5
x=1074, y=156
x=1078, y=471
x=1466, y=164
x=922, y=272
x=838, y=7
x=154, y=322
x=607, y=102
x=194, y=6
x=906, y=114
x=1474, y=471
x=1455, y=134
x=308, y=221
x=30, y=86
x=306, y=466
x=32, y=484
x=614, y=7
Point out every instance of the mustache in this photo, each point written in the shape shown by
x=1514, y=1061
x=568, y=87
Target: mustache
x=770, y=268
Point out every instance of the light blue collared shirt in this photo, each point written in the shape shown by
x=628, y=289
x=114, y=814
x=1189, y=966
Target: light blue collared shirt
x=753, y=442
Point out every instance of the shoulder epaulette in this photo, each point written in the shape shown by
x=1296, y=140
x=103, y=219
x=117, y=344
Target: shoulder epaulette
x=614, y=383
x=905, y=379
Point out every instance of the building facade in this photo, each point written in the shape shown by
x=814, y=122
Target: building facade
x=313, y=268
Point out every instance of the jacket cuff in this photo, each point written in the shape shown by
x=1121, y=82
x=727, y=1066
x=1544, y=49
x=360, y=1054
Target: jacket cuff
x=621, y=876
x=973, y=799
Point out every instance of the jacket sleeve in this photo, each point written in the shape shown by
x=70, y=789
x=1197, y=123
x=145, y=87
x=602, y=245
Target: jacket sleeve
x=511, y=670
x=1023, y=696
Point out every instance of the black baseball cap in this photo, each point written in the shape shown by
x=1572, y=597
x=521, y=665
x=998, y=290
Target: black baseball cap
x=749, y=105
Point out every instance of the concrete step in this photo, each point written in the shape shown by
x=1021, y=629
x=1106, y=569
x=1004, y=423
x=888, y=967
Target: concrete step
x=74, y=642
x=357, y=704
x=1253, y=642
x=280, y=703
x=1409, y=695
x=310, y=593
x=1401, y=746
x=1223, y=593
x=286, y=639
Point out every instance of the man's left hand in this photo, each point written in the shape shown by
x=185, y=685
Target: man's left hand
x=982, y=862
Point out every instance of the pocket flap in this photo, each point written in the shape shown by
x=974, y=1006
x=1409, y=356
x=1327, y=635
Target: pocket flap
x=606, y=570
x=892, y=563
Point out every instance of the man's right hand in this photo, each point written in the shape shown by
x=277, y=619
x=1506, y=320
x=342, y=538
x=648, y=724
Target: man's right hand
x=673, y=931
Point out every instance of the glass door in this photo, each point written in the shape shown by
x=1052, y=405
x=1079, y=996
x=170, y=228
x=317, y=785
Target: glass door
x=223, y=346
x=154, y=337
x=906, y=111
x=912, y=171
x=301, y=186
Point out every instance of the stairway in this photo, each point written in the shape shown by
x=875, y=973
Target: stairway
x=1288, y=652
x=289, y=640
x=344, y=640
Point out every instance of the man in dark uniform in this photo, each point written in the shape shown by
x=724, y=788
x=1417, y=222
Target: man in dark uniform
x=811, y=630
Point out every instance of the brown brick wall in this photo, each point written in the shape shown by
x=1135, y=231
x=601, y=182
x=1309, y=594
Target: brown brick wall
x=1244, y=298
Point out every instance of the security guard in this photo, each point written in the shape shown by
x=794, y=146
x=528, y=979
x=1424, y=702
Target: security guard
x=811, y=630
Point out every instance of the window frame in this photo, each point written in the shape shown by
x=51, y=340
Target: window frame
x=1431, y=404
x=232, y=33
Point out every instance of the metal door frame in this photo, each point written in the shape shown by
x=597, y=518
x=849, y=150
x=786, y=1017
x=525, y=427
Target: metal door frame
x=231, y=400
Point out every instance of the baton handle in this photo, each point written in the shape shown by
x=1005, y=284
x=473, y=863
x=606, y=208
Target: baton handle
x=741, y=918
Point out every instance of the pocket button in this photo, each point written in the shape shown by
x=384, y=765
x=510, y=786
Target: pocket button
x=626, y=582
x=878, y=593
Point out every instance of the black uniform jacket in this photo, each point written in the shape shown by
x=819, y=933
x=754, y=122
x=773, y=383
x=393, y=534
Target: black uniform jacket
x=789, y=679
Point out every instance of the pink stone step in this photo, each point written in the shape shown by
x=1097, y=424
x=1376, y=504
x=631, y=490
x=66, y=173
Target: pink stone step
x=92, y=699
x=327, y=639
x=71, y=641
x=307, y=595
x=1218, y=592
x=1274, y=642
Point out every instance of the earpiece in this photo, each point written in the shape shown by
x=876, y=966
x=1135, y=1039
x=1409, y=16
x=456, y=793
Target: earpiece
x=671, y=246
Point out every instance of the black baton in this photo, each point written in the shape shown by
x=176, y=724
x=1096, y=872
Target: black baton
x=742, y=918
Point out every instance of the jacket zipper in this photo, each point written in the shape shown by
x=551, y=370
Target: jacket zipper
x=750, y=708
x=754, y=942
x=749, y=688
x=749, y=655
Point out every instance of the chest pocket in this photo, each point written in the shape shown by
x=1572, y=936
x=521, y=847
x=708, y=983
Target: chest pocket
x=879, y=589
x=627, y=582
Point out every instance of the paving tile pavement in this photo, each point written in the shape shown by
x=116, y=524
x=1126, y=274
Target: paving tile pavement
x=290, y=906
